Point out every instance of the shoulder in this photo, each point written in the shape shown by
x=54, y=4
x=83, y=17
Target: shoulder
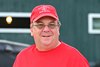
x=69, y=48
x=75, y=55
x=26, y=51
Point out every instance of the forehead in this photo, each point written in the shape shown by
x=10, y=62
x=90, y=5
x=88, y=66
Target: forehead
x=46, y=19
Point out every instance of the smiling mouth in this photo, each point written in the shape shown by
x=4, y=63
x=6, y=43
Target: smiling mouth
x=46, y=36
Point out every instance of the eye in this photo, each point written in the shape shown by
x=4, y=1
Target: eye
x=52, y=25
x=40, y=26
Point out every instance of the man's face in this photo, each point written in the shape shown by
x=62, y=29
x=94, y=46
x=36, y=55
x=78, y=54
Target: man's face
x=45, y=31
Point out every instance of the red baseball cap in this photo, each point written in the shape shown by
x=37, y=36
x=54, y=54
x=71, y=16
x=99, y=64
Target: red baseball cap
x=43, y=10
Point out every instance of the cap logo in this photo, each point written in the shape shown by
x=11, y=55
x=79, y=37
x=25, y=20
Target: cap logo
x=43, y=9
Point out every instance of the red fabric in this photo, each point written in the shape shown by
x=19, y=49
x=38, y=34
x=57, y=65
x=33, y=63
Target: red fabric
x=43, y=10
x=62, y=56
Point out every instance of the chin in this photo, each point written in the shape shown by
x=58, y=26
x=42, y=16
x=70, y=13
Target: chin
x=46, y=43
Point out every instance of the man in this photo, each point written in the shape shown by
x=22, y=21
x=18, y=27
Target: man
x=48, y=51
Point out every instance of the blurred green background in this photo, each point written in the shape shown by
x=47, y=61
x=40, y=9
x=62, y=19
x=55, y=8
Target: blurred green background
x=73, y=15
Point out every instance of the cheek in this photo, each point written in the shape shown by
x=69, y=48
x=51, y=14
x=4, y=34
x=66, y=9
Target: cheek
x=57, y=33
x=34, y=33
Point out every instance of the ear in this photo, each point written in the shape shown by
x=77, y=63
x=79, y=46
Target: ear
x=31, y=30
x=59, y=33
x=59, y=30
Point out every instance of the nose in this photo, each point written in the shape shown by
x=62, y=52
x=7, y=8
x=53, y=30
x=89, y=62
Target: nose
x=46, y=29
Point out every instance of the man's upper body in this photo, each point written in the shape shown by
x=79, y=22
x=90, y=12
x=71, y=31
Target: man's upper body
x=61, y=56
x=48, y=51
